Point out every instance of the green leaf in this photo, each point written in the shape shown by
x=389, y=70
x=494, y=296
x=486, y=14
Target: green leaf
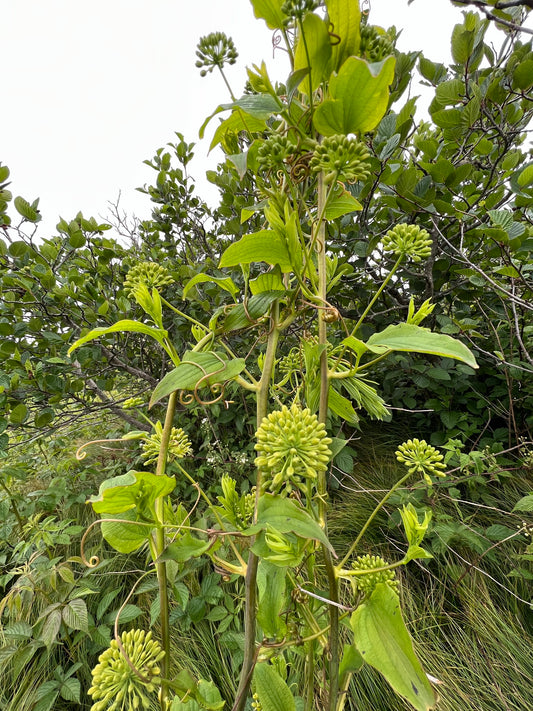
x=526, y=177
x=19, y=414
x=75, y=615
x=462, y=44
x=226, y=283
x=241, y=316
x=125, y=326
x=359, y=97
x=313, y=52
x=269, y=281
x=264, y=246
x=185, y=548
x=127, y=614
x=447, y=118
x=46, y=696
x=126, y=535
x=524, y=504
x=351, y=662
x=342, y=407
x=238, y=122
x=271, y=586
x=194, y=368
x=341, y=203
x=345, y=19
x=286, y=516
x=209, y=696
x=70, y=690
x=270, y=11
x=273, y=692
x=131, y=490
x=50, y=628
x=27, y=211
x=383, y=641
x=415, y=339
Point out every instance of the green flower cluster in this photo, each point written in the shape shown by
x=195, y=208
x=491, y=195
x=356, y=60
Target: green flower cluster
x=375, y=43
x=408, y=240
x=293, y=447
x=366, y=583
x=179, y=444
x=256, y=704
x=341, y=158
x=297, y=9
x=421, y=458
x=274, y=152
x=116, y=686
x=215, y=50
x=133, y=402
x=152, y=275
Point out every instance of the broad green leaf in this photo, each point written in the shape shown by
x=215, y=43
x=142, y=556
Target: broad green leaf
x=286, y=516
x=131, y=490
x=462, y=44
x=125, y=326
x=383, y=641
x=351, y=662
x=271, y=586
x=185, y=548
x=209, y=696
x=260, y=106
x=359, y=97
x=341, y=203
x=447, y=118
x=256, y=307
x=269, y=281
x=526, y=177
x=360, y=348
x=17, y=631
x=525, y=503
x=273, y=692
x=192, y=372
x=264, y=246
x=226, y=283
x=345, y=18
x=50, y=628
x=125, y=535
x=18, y=414
x=29, y=212
x=238, y=122
x=415, y=339
x=75, y=615
x=313, y=52
x=70, y=690
x=270, y=11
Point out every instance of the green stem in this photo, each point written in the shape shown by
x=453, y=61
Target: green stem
x=370, y=519
x=250, y=605
x=159, y=547
x=377, y=294
x=322, y=482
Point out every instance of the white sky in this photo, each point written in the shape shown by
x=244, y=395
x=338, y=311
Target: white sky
x=91, y=88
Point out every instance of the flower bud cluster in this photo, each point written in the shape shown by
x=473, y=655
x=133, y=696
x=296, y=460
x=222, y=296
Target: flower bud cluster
x=115, y=685
x=421, y=458
x=375, y=45
x=152, y=275
x=408, y=240
x=179, y=444
x=133, y=402
x=256, y=704
x=292, y=447
x=274, y=152
x=297, y=9
x=366, y=583
x=215, y=50
x=341, y=158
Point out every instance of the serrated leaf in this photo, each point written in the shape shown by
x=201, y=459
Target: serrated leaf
x=125, y=326
x=383, y=641
x=24, y=209
x=75, y=615
x=50, y=628
x=70, y=690
x=415, y=339
x=273, y=692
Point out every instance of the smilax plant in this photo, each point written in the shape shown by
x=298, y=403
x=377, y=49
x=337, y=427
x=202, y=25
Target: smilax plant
x=312, y=615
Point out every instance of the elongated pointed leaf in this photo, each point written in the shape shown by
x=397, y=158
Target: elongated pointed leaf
x=237, y=122
x=359, y=97
x=341, y=204
x=126, y=326
x=383, y=641
x=194, y=368
x=273, y=692
x=342, y=407
x=415, y=339
x=264, y=246
x=225, y=283
x=313, y=52
x=271, y=587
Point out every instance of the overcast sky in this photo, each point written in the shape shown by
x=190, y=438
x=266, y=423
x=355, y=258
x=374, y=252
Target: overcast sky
x=91, y=88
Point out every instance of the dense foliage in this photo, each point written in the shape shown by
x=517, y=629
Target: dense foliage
x=274, y=313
